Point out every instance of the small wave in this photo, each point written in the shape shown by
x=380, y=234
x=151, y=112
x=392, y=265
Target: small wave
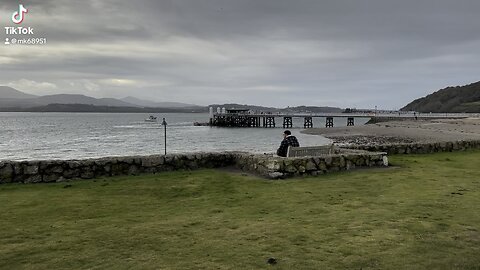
x=137, y=127
x=182, y=124
x=40, y=148
x=125, y=126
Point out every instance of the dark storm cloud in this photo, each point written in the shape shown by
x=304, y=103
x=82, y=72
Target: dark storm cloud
x=344, y=52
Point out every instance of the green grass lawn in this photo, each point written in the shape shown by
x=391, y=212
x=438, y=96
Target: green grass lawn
x=423, y=214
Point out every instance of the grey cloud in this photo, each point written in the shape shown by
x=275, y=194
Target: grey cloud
x=344, y=52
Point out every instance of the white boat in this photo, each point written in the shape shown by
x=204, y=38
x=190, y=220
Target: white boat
x=151, y=118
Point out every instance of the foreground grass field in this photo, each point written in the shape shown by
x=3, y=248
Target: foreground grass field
x=424, y=214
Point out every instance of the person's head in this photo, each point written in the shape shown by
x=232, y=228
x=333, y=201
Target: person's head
x=287, y=133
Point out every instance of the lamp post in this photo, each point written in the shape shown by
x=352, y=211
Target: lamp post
x=164, y=124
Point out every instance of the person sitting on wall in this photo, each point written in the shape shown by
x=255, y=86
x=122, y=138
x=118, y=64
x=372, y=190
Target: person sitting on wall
x=288, y=140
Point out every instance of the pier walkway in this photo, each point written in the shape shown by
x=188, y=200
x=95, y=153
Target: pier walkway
x=246, y=118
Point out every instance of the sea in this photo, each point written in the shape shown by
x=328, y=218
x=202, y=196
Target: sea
x=40, y=136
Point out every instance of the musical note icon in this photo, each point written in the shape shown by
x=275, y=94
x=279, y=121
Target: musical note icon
x=18, y=16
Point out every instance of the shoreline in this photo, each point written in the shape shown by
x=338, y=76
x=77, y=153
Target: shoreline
x=402, y=132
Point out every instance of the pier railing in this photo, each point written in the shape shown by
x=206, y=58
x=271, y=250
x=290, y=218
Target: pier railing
x=269, y=120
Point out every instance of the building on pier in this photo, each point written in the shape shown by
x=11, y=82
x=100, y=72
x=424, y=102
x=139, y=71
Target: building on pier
x=240, y=117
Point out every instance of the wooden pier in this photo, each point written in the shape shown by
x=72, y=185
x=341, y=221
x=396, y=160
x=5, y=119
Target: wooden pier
x=247, y=118
x=244, y=118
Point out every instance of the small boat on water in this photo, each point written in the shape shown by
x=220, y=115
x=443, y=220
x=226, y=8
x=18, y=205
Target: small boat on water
x=151, y=118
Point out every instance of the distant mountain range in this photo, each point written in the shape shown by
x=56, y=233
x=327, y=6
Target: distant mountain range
x=12, y=99
x=153, y=104
x=107, y=109
x=449, y=100
x=11, y=93
x=16, y=101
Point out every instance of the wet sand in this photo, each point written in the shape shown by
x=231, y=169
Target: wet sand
x=409, y=131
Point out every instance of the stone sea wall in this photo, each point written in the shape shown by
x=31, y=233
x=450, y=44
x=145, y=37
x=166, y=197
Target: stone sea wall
x=420, y=148
x=46, y=171
x=61, y=170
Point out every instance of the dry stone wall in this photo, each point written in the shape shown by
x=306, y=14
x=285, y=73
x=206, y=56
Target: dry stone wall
x=46, y=171
x=420, y=148
x=276, y=167
x=59, y=170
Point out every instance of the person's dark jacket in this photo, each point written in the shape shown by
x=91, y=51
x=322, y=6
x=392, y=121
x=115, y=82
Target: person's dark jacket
x=288, y=141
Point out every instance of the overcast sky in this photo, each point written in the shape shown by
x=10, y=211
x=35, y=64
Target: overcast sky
x=347, y=53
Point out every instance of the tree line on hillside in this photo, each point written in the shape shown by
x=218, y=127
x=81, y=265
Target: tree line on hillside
x=459, y=99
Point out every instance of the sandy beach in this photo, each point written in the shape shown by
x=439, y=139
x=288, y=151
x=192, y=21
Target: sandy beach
x=409, y=131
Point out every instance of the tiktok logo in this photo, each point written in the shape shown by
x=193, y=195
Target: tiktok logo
x=18, y=16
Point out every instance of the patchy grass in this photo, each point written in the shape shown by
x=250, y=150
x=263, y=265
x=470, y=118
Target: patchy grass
x=423, y=215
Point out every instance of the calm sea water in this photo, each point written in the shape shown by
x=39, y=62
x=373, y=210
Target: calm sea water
x=29, y=136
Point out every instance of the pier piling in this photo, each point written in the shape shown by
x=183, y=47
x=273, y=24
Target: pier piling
x=287, y=122
x=269, y=122
x=308, y=123
x=350, y=122
x=329, y=122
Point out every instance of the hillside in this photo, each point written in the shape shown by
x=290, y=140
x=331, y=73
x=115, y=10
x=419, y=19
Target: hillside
x=12, y=99
x=154, y=104
x=313, y=109
x=298, y=109
x=81, y=99
x=451, y=99
x=101, y=108
x=11, y=93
